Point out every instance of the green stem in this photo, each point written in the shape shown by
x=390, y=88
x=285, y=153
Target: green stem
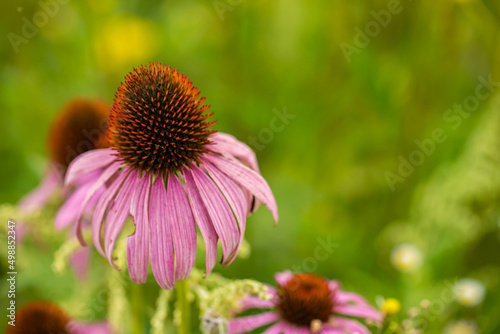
x=136, y=296
x=183, y=306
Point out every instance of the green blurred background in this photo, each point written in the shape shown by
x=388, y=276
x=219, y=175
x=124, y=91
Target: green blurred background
x=327, y=166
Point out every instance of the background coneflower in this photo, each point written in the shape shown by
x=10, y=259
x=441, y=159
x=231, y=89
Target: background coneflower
x=306, y=303
x=81, y=126
x=47, y=318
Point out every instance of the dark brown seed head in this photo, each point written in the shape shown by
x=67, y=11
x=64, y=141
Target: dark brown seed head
x=80, y=127
x=39, y=318
x=157, y=121
x=305, y=297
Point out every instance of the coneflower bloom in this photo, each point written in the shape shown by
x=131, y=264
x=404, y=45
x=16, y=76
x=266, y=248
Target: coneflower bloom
x=80, y=127
x=306, y=303
x=171, y=173
x=48, y=318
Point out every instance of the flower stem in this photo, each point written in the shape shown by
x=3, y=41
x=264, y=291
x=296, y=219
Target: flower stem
x=136, y=296
x=183, y=306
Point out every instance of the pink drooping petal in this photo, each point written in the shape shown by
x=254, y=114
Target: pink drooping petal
x=88, y=162
x=279, y=328
x=351, y=326
x=251, y=322
x=219, y=211
x=100, y=210
x=248, y=179
x=69, y=210
x=203, y=221
x=118, y=214
x=253, y=202
x=229, y=144
x=97, y=185
x=234, y=196
x=343, y=297
x=183, y=228
x=91, y=328
x=40, y=195
x=361, y=311
x=138, y=243
x=283, y=277
x=161, y=247
x=255, y=302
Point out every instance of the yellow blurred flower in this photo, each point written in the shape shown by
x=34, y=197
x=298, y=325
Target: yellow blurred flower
x=391, y=306
x=124, y=42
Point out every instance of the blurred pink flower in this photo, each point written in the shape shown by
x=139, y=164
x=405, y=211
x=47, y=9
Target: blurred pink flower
x=306, y=303
x=46, y=317
x=79, y=127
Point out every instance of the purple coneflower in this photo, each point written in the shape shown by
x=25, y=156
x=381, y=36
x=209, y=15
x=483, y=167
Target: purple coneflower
x=171, y=173
x=46, y=317
x=80, y=127
x=306, y=303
